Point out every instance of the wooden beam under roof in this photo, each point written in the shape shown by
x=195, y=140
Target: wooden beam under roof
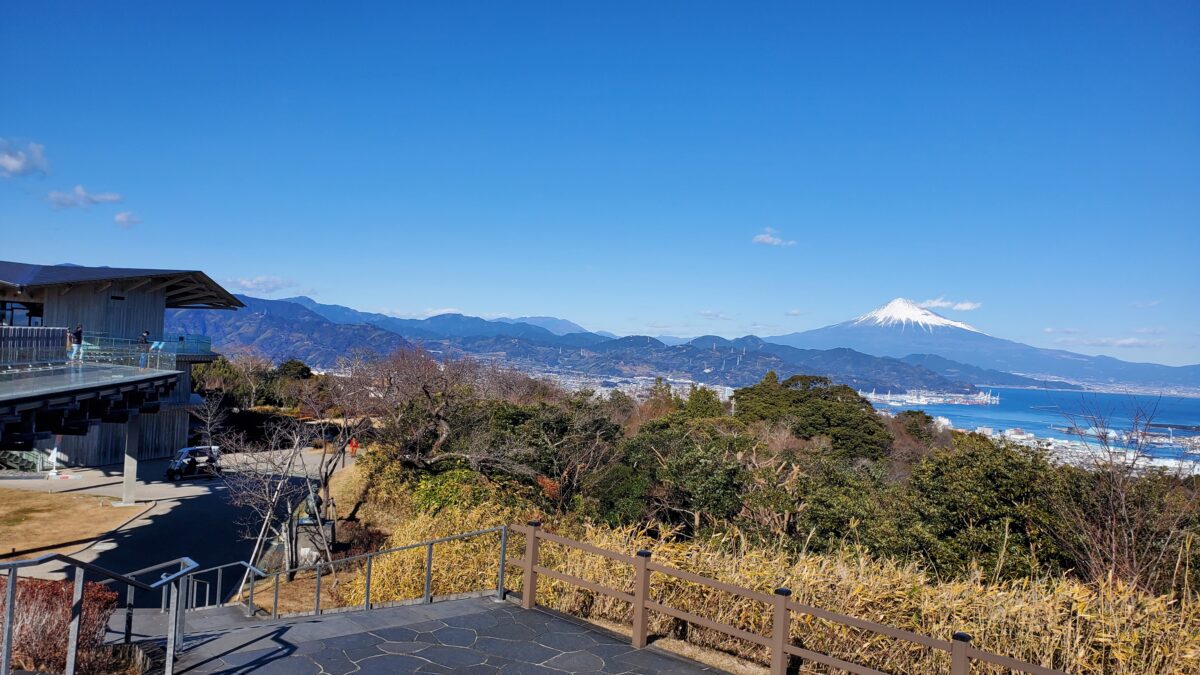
x=168, y=282
x=139, y=284
x=194, y=296
x=179, y=290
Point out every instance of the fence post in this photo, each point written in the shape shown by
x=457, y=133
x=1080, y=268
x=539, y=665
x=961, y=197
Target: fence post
x=220, y=574
x=76, y=617
x=181, y=610
x=500, y=592
x=781, y=631
x=641, y=593
x=428, y=596
x=529, y=588
x=10, y=599
x=960, y=661
x=367, y=585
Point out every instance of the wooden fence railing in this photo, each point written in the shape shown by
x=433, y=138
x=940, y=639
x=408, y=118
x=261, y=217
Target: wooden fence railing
x=779, y=642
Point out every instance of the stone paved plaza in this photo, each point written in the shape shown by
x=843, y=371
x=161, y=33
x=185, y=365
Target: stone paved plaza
x=459, y=636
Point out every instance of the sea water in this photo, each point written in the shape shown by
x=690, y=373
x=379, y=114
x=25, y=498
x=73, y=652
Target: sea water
x=1047, y=414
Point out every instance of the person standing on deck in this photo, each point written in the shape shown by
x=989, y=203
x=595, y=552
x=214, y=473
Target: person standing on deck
x=143, y=348
x=77, y=343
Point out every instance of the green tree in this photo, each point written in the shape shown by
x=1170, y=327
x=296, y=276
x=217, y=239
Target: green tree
x=988, y=503
x=703, y=402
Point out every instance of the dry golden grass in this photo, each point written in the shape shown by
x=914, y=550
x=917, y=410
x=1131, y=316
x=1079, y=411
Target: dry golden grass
x=1058, y=623
x=36, y=523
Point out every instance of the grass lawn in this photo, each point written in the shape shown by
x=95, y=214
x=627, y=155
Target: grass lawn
x=34, y=523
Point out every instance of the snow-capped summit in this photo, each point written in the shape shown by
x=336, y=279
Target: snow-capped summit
x=902, y=312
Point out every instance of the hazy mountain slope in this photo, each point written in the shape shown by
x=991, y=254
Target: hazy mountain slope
x=550, y=323
x=963, y=372
x=281, y=330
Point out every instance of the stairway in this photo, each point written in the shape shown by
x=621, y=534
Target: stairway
x=29, y=461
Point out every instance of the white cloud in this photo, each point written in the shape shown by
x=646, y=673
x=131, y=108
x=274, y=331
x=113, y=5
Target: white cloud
x=126, y=219
x=81, y=198
x=1147, y=304
x=15, y=161
x=1152, y=330
x=713, y=315
x=1127, y=342
x=770, y=237
x=1066, y=331
x=261, y=284
x=958, y=305
x=793, y=312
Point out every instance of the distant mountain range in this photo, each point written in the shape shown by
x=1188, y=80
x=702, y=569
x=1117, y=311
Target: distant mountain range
x=901, y=328
x=897, y=347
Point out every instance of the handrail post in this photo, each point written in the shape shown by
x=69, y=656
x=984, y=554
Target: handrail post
x=317, y=599
x=275, y=597
x=500, y=592
x=250, y=594
x=220, y=573
x=10, y=599
x=181, y=609
x=529, y=587
x=641, y=593
x=428, y=596
x=781, y=631
x=172, y=625
x=960, y=661
x=129, y=595
x=76, y=617
x=367, y=584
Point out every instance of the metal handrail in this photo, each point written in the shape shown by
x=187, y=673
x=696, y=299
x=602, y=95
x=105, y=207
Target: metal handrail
x=220, y=570
x=428, y=545
x=169, y=580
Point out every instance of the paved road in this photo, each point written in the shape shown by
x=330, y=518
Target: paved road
x=192, y=518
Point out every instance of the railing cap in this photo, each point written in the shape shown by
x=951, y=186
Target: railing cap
x=785, y=592
x=961, y=637
x=643, y=553
x=534, y=523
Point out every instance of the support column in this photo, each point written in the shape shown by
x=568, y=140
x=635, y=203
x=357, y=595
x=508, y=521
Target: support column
x=133, y=435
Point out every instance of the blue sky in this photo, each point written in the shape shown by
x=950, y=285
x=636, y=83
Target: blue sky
x=615, y=163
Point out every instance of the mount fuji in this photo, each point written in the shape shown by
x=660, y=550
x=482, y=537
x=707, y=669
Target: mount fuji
x=902, y=328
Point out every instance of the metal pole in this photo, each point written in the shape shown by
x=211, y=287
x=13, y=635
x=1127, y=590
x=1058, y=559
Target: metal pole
x=428, y=597
x=250, y=597
x=781, y=631
x=164, y=600
x=503, y=563
x=76, y=616
x=367, y=586
x=317, y=600
x=129, y=593
x=960, y=661
x=10, y=598
x=181, y=609
x=172, y=627
x=275, y=599
x=641, y=590
x=220, y=573
x=529, y=588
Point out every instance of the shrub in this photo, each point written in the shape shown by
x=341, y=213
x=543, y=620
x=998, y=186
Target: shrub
x=42, y=622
